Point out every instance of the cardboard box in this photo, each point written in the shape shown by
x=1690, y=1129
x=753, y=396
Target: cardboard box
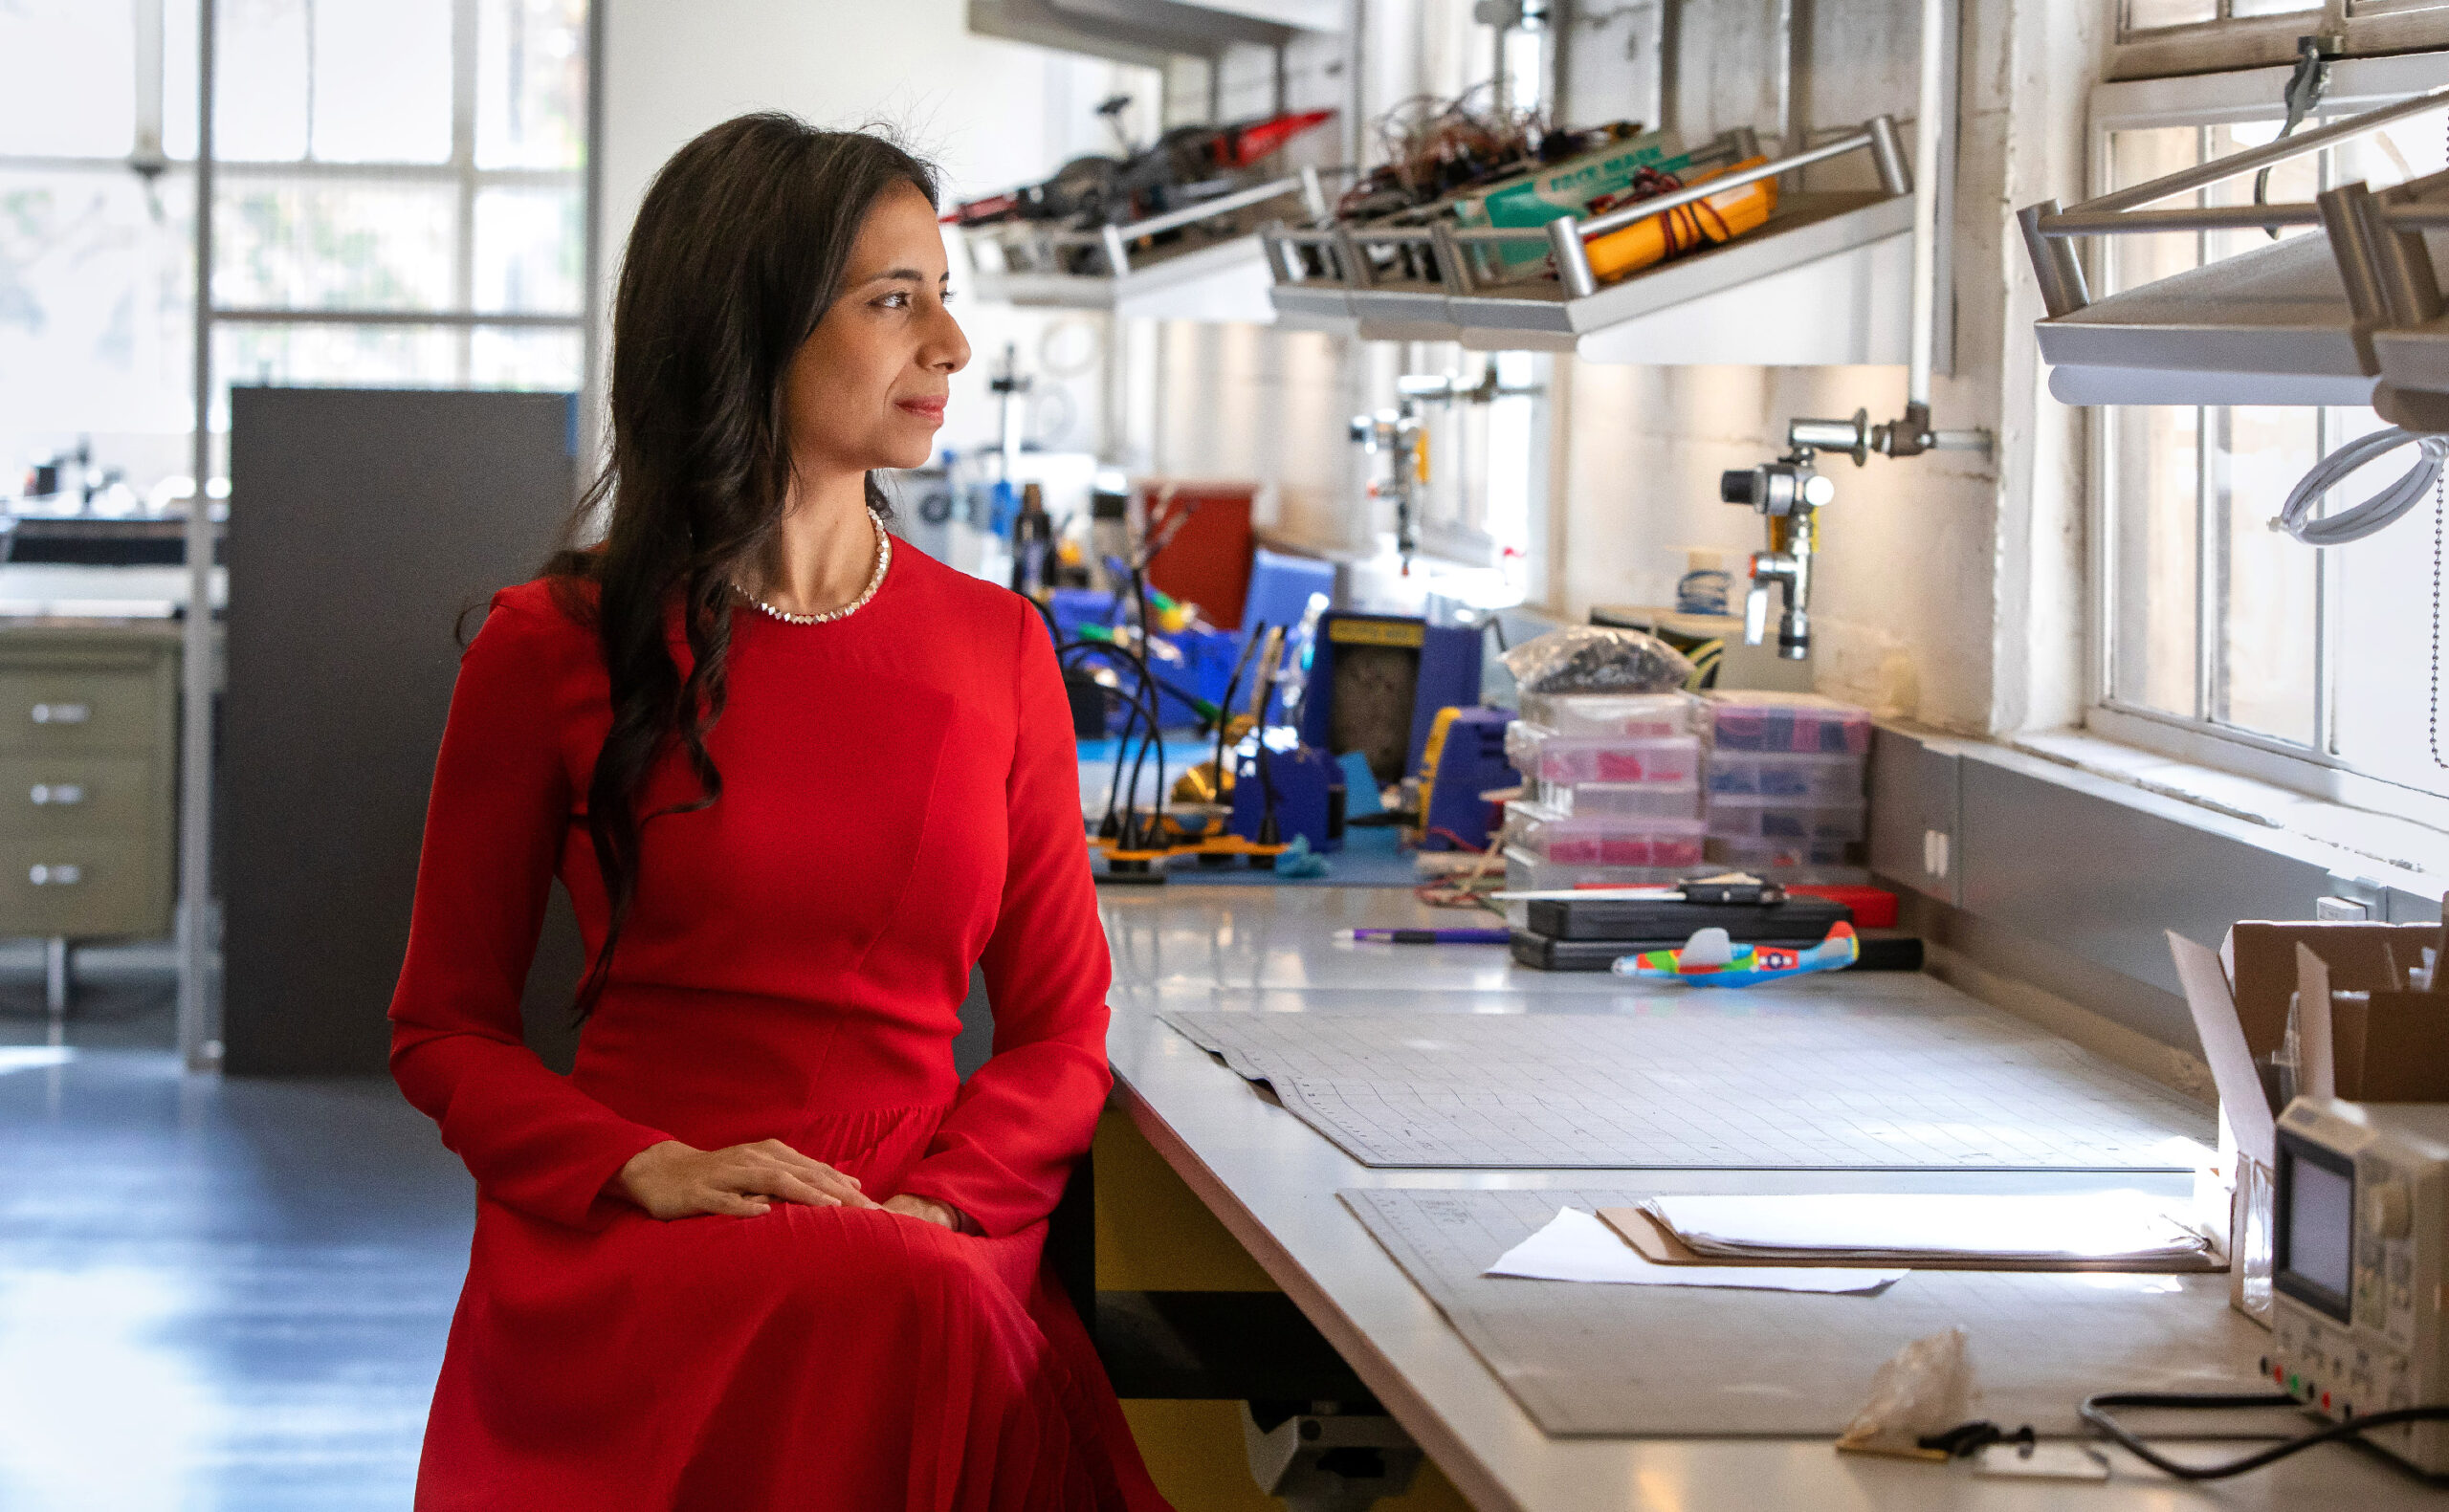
x=2369, y=1036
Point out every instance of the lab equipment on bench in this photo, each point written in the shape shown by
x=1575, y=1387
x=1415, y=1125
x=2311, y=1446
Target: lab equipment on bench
x=1208, y=824
x=1283, y=786
x=1402, y=434
x=1590, y=929
x=1464, y=763
x=2361, y=1259
x=1375, y=682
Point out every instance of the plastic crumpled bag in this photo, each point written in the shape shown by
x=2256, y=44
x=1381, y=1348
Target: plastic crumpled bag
x=1597, y=659
x=1923, y=1388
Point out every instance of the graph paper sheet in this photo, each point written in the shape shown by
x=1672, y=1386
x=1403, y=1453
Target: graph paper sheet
x=1594, y=1360
x=1792, y=1085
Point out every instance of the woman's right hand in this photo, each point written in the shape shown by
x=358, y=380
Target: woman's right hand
x=673, y=1180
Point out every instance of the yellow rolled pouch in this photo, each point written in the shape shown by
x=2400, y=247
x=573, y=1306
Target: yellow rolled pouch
x=1719, y=218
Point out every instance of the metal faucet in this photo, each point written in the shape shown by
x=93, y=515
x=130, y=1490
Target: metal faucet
x=1789, y=492
x=1402, y=434
x=1397, y=432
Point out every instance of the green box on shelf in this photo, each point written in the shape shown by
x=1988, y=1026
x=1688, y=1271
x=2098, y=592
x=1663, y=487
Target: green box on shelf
x=1567, y=188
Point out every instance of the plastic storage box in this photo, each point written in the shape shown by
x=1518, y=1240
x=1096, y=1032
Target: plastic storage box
x=1601, y=839
x=1743, y=719
x=1759, y=855
x=1807, y=776
x=1783, y=820
x=1643, y=715
x=1541, y=753
x=1648, y=800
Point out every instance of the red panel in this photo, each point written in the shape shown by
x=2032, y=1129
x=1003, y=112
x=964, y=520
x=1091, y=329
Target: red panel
x=1207, y=562
x=1874, y=908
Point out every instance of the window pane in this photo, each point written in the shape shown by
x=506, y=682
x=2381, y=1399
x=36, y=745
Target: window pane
x=2137, y=157
x=501, y=358
x=2383, y=620
x=2262, y=675
x=95, y=298
x=527, y=251
x=334, y=246
x=2294, y=182
x=70, y=88
x=345, y=356
x=382, y=81
x=2154, y=467
x=2142, y=15
x=2244, y=7
x=531, y=83
x=2399, y=151
x=180, y=23
x=259, y=82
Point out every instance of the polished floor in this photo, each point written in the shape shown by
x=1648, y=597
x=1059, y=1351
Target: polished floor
x=215, y=1295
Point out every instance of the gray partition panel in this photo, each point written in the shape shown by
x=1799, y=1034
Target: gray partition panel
x=361, y=524
x=2106, y=879
x=1598, y=1358
x=1914, y=794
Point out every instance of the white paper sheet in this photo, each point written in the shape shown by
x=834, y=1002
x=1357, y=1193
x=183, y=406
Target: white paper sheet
x=1579, y=1247
x=2095, y=1225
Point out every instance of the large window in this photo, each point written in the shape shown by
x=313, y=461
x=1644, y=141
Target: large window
x=2220, y=638
x=398, y=200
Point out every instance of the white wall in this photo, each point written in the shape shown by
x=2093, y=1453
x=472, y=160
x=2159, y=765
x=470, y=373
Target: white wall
x=991, y=113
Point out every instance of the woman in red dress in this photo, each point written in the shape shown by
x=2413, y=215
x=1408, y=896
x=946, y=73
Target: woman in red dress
x=761, y=1249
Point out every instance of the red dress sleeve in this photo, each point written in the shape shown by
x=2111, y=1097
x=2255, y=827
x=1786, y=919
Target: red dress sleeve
x=1004, y=1150
x=494, y=830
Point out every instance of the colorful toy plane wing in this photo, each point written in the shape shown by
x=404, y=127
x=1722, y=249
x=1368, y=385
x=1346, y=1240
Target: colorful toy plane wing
x=1710, y=959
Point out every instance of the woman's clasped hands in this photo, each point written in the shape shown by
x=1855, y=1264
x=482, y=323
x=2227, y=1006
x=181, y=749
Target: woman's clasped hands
x=673, y=1180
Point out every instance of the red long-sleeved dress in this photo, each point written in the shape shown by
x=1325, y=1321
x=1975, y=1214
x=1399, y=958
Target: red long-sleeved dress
x=900, y=800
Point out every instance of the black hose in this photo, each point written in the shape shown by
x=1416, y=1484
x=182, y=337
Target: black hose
x=2093, y=1411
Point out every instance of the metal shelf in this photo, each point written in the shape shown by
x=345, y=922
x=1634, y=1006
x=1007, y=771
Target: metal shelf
x=2270, y=326
x=1213, y=267
x=1824, y=283
x=1826, y=280
x=2349, y=314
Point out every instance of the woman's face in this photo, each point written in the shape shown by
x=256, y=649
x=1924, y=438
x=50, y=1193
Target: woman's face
x=868, y=388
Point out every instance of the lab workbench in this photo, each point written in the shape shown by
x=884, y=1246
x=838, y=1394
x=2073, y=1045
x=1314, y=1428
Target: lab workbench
x=1272, y=1182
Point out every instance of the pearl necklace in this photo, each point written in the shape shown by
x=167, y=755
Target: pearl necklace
x=876, y=580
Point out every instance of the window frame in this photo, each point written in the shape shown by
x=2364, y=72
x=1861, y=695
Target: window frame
x=2347, y=28
x=2207, y=100
x=461, y=174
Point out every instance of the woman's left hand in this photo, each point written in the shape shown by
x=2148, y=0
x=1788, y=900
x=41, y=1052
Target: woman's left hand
x=926, y=1210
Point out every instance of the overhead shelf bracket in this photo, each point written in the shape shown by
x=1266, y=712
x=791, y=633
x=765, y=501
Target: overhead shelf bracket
x=1201, y=262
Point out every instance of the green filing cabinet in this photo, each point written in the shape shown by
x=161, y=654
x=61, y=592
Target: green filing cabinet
x=88, y=759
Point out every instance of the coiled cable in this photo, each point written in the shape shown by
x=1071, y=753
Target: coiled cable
x=2297, y=518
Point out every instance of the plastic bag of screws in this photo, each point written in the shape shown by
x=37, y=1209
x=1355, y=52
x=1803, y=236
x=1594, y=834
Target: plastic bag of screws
x=1597, y=659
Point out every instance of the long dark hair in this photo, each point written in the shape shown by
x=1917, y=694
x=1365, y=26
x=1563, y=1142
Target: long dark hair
x=739, y=248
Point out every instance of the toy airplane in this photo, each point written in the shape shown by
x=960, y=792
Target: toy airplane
x=1710, y=959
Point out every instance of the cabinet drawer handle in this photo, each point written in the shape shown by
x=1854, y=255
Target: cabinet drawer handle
x=62, y=713
x=58, y=874
x=61, y=793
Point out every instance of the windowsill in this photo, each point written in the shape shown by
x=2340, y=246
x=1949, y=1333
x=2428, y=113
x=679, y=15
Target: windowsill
x=2356, y=843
